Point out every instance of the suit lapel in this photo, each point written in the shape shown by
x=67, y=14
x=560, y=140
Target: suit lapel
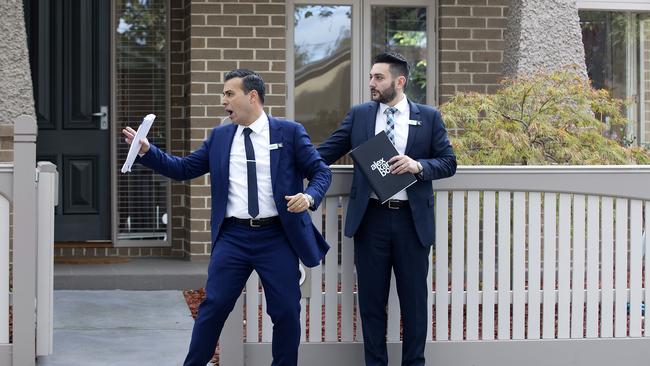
x=275, y=137
x=372, y=119
x=225, y=144
x=413, y=129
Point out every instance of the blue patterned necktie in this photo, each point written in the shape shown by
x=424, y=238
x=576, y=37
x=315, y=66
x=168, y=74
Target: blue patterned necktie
x=390, y=123
x=253, y=205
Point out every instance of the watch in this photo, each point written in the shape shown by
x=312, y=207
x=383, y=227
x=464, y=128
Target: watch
x=310, y=199
x=419, y=174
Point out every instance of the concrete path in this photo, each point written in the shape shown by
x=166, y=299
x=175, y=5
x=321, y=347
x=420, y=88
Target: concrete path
x=119, y=328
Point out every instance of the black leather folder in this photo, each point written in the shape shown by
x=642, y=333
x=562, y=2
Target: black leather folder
x=372, y=158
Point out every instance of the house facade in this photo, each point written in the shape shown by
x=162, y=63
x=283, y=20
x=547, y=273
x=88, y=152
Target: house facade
x=99, y=66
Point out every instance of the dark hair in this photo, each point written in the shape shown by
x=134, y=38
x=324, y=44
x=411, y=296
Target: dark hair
x=250, y=81
x=398, y=64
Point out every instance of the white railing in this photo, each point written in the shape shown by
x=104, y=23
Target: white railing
x=534, y=254
x=32, y=193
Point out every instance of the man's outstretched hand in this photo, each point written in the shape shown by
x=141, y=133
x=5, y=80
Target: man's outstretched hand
x=129, y=134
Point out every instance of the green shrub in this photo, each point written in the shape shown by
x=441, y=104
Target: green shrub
x=548, y=118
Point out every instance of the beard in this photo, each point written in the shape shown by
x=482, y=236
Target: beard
x=386, y=95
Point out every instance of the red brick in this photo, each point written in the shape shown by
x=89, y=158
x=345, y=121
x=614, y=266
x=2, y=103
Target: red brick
x=270, y=55
x=206, y=31
x=238, y=31
x=238, y=9
x=222, y=20
x=253, y=20
x=206, y=8
x=472, y=45
x=269, y=31
x=486, y=56
x=238, y=54
x=486, y=11
x=455, y=11
x=222, y=42
x=269, y=9
x=472, y=67
x=254, y=43
x=487, y=34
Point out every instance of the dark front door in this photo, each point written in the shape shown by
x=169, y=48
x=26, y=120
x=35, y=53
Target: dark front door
x=69, y=54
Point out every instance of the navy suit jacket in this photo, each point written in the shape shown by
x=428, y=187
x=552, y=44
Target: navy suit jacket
x=427, y=143
x=295, y=160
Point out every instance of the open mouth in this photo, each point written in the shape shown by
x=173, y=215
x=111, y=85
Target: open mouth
x=230, y=112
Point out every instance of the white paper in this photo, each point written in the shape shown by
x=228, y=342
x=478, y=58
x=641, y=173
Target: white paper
x=143, y=130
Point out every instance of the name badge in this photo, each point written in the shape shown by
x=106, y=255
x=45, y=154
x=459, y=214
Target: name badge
x=275, y=146
x=413, y=122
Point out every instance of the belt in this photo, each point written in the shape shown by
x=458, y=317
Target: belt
x=392, y=204
x=266, y=221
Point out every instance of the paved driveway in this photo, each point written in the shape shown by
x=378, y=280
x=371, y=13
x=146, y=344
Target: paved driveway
x=119, y=328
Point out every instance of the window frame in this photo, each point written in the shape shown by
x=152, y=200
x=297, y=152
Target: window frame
x=361, y=47
x=115, y=224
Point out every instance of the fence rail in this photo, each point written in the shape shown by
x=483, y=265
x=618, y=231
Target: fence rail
x=537, y=254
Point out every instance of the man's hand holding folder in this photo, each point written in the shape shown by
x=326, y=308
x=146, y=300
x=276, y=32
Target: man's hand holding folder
x=387, y=172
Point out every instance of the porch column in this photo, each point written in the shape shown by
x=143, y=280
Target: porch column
x=543, y=36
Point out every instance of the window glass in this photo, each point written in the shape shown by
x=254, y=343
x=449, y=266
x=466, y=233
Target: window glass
x=403, y=30
x=140, y=89
x=322, y=61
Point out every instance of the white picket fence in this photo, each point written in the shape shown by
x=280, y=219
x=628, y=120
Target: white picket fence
x=536, y=265
x=31, y=190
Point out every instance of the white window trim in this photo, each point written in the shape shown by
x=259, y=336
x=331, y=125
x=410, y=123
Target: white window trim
x=628, y=5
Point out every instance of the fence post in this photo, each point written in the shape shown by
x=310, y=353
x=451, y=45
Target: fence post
x=24, y=261
x=232, y=340
x=47, y=199
x=4, y=269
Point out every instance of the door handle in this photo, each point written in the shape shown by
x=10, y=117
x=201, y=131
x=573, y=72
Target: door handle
x=103, y=117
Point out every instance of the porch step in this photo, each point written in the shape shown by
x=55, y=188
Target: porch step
x=135, y=274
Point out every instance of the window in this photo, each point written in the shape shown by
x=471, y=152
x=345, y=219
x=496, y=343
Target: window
x=330, y=46
x=140, y=87
x=617, y=55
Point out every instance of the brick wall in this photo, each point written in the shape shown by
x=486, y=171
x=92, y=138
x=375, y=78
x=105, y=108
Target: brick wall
x=225, y=35
x=471, y=45
x=211, y=37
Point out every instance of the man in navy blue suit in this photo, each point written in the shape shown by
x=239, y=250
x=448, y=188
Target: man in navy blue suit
x=259, y=221
x=396, y=235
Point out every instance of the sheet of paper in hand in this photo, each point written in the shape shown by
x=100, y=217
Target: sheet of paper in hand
x=372, y=158
x=143, y=130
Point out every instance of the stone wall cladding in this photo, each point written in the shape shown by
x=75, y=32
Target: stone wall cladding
x=543, y=36
x=16, y=94
x=470, y=45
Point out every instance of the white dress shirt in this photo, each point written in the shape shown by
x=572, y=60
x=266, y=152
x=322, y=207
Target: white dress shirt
x=401, y=132
x=238, y=179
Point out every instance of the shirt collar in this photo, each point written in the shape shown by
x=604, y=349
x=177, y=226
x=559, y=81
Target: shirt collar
x=401, y=106
x=260, y=124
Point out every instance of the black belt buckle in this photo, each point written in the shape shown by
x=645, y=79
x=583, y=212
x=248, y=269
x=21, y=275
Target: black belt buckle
x=255, y=222
x=393, y=204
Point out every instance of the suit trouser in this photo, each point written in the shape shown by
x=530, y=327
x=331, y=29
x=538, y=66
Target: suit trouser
x=387, y=240
x=238, y=251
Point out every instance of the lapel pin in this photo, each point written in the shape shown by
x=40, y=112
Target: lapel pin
x=413, y=122
x=275, y=146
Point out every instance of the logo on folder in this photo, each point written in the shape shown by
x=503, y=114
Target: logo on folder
x=382, y=166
